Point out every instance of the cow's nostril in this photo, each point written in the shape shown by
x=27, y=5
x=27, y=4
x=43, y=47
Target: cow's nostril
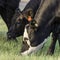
x=9, y=36
x=26, y=38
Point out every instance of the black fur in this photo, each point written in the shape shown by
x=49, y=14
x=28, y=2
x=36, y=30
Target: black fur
x=7, y=10
x=46, y=19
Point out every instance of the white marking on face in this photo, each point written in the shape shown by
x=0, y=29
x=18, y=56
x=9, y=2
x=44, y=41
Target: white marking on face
x=31, y=49
x=26, y=35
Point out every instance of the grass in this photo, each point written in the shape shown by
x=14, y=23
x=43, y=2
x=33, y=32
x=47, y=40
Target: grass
x=10, y=50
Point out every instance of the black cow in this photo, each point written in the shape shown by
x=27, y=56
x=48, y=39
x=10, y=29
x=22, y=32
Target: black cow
x=45, y=21
x=7, y=10
x=20, y=19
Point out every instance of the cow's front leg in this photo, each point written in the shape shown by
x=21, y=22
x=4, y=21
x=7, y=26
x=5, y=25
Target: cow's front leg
x=53, y=43
x=59, y=39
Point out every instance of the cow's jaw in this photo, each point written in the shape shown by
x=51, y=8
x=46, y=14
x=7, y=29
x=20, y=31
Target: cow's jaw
x=31, y=49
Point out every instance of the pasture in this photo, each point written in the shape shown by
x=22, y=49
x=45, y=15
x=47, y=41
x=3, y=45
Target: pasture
x=10, y=50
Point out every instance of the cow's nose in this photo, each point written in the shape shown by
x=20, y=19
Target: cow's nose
x=9, y=36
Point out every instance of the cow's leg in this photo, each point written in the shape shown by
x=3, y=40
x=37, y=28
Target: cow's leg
x=59, y=39
x=53, y=43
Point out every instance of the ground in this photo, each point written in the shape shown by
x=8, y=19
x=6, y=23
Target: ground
x=10, y=50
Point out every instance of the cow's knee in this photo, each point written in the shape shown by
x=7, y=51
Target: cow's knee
x=59, y=39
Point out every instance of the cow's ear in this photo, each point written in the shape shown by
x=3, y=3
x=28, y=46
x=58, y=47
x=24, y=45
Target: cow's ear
x=30, y=12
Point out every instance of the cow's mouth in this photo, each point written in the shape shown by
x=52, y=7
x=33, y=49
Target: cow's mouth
x=9, y=36
x=30, y=49
x=33, y=50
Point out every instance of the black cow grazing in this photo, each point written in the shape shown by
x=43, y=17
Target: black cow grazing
x=20, y=19
x=15, y=30
x=44, y=23
x=7, y=10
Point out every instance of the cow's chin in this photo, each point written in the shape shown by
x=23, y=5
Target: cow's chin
x=33, y=50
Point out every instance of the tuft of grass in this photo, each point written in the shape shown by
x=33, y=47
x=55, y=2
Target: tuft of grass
x=10, y=50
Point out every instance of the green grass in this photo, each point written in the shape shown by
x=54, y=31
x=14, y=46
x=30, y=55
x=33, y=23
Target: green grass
x=10, y=50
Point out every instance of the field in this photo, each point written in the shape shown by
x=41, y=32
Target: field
x=10, y=50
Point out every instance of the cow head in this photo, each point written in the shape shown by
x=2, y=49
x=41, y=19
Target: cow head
x=34, y=38
x=19, y=21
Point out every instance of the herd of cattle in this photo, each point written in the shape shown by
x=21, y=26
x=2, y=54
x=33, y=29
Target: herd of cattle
x=38, y=19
